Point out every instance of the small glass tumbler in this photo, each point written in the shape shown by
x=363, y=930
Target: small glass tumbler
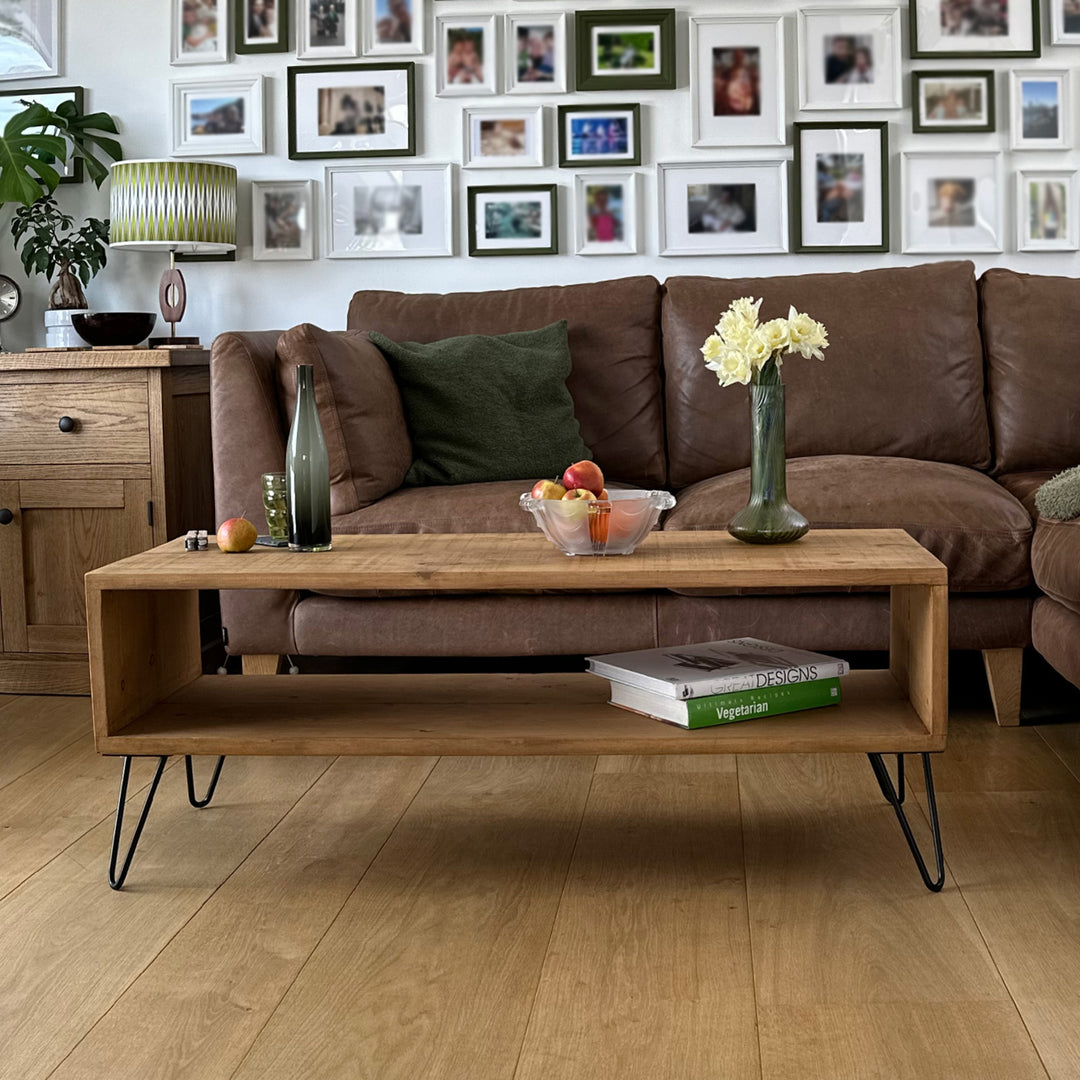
x=274, y=491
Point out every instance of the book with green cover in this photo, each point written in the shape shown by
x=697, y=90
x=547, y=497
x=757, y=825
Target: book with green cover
x=728, y=708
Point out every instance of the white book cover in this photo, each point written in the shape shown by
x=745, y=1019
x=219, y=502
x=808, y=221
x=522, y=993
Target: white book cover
x=715, y=667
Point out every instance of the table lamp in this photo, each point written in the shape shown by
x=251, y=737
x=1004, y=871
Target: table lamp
x=176, y=206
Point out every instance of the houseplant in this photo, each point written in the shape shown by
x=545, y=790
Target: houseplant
x=746, y=351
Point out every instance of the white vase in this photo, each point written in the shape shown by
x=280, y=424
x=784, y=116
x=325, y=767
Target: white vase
x=59, y=333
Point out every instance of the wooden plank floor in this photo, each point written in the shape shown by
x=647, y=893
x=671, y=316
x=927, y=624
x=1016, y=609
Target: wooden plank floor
x=676, y=918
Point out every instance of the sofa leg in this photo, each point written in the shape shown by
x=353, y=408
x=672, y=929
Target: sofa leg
x=1003, y=670
x=262, y=665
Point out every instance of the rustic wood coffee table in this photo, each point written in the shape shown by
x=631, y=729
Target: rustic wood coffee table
x=150, y=697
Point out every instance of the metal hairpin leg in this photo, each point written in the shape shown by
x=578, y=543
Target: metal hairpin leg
x=205, y=801
x=117, y=881
x=895, y=797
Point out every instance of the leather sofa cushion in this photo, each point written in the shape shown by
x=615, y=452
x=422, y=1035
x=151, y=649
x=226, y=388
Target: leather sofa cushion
x=614, y=332
x=1055, y=632
x=1023, y=486
x=903, y=374
x=971, y=523
x=359, y=407
x=1055, y=560
x=1031, y=328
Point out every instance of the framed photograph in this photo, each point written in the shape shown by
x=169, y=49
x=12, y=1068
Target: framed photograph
x=974, y=28
x=737, y=81
x=849, y=58
x=723, y=208
x=282, y=220
x=516, y=219
x=29, y=39
x=633, y=49
x=326, y=29
x=71, y=171
x=535, y=52
x=1041, y=111
x=393, y=27
x=504, y=138
x=602, y=135
x=952, y=101
x=352, y=110
x=466, y=64
x=1046, y=211
x=200, y=31
x=606, y=214
x=218, y=116
x=389, y=212
x=953, y=202
x=842, y=187
x=260, y=26
x=1065, y=22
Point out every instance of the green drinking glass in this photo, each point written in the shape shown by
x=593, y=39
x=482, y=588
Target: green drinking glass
x=275, y=505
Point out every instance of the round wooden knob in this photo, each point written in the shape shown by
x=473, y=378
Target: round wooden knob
x=66, y=424
x=6, y=516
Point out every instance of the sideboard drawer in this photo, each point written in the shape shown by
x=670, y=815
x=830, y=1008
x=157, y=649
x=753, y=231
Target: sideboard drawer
x=109, y=422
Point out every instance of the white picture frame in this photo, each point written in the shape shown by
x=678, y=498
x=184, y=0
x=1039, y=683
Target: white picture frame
x=319, y=39
x=867, y=74
x=706, y=210
x=283, y=220
x=389, y=211
x=1047, y=217
x=722, y=117
x=205, y=40
x=506, y=127
x=952, y=203
x=205, y=103
x=383, y=27
x=466, y=55
x=1040, y=109
x=607, y=228
x=34, y=52
x=535, y=72
x=1065, y=22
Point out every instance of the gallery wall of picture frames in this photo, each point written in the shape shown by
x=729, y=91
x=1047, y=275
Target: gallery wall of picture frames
x=783, y=154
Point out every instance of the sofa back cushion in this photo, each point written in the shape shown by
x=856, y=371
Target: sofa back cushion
x=902, y=377
x=1031, y=330
x=614, y=335
x=359, y=409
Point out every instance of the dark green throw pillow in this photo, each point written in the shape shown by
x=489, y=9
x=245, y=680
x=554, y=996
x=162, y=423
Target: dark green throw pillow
x=487, y=408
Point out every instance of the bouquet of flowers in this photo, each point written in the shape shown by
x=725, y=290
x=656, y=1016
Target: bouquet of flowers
x=744, y=350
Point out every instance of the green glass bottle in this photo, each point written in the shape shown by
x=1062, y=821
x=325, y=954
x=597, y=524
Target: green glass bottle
x=307, y=471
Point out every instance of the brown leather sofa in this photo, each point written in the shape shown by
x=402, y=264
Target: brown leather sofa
x=906, y=424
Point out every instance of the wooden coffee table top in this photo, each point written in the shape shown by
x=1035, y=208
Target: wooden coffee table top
x=485, y=562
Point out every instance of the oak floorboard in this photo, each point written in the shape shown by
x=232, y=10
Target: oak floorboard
x=193, y=1014
x=1064, y=740
x=32, y=729
x=840, y=920
x=648, y=973
x=71, y=946
x=430, y=969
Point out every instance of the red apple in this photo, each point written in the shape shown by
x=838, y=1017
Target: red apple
x=578, y=493
x=548, y=489
x=236, y=534
x=583, y=474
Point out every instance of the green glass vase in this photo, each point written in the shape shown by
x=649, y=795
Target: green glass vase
x=768, y=518
x=307, y=471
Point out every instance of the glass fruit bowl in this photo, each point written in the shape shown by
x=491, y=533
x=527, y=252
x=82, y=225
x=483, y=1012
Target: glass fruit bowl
x=612, y=526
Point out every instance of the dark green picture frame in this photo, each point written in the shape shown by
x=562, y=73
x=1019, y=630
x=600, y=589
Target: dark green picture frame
x=599, y=162
x=553, y=193
x=975, y=54
x=798, y=127
x=316, y=69
x=78, y=95
x=989, y=80
x=240, y=30
x=662, y=20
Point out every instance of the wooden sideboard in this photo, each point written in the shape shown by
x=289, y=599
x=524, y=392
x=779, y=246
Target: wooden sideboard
x=102, y=454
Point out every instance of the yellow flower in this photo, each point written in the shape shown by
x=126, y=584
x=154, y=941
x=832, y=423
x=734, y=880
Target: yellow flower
x=712, y=348
x=776, y=334
x=808, y=337
x=739, y=321
x=757, y=350
x=733, y=367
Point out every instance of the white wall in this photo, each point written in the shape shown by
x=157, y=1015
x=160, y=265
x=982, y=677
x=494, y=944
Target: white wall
x=119, y=50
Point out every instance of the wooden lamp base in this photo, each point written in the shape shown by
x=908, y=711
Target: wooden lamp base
x=172, y=296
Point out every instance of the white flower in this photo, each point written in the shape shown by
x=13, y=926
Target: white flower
x=808, y=337
x=739, y=321
x=712, y=348
x=757, y=350
x=733, y=367
x=776, y=334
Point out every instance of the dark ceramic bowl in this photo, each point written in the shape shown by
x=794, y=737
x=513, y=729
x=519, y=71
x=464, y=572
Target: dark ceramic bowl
x=104, y=328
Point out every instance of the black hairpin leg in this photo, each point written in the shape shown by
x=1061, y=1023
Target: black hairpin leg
x=895, y=797
x=205, y=801
x=116, y=881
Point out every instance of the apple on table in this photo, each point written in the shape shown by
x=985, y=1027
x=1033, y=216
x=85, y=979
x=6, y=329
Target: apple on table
x=236, y=534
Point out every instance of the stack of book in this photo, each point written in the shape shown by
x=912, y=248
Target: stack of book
x=720, y=682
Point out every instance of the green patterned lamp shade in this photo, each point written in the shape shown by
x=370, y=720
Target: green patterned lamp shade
x=182, y=206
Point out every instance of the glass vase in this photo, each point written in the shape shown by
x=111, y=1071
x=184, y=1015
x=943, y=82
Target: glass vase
x=768, y=518
x=307, y=471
